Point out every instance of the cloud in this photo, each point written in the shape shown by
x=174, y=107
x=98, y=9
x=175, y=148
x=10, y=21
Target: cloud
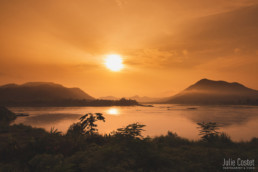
x=156, y=58
x=221, y=35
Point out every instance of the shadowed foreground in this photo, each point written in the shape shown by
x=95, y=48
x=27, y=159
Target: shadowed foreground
x=23, y=148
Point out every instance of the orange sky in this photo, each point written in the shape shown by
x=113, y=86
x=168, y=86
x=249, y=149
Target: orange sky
x=166, y=44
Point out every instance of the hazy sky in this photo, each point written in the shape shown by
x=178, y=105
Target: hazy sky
x=166, y=44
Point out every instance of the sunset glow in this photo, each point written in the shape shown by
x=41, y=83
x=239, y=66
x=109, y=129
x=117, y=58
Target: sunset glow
x=132, y=47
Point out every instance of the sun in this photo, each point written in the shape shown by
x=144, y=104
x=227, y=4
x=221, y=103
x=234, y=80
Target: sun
x=114, y=62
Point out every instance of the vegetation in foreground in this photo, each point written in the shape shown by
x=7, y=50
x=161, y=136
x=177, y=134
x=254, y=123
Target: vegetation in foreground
x=23, y=148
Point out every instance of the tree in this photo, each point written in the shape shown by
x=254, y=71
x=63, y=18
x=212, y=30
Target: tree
x=208, y=130
x=87, y=124
x=132, y=130
x=55, y=132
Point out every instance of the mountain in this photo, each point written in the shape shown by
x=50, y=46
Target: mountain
x=208, y=92
x=139, y=99
x=109, y=98
x=144, y=99
x=6, y=116
x=39, y=92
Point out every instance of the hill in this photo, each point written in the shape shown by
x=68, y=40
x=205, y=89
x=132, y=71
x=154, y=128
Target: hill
x=208, y=92
x=143, y=99
x=32, y=92
x=109, y=98
x=50, y=94
x=6, y=116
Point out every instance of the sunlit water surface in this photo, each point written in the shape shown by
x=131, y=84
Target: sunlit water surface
x=239, y=122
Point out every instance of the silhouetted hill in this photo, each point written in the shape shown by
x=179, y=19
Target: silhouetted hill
x=216, y=92
x=39, y=92
x=143, y=99
x=51, y=94
x=6, y=116
x=109, y=98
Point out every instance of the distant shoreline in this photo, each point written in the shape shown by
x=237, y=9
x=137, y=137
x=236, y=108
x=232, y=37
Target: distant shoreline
x=71, y=106
x=73, y=103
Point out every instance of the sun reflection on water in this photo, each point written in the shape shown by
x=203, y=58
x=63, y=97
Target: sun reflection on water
x=113, y=111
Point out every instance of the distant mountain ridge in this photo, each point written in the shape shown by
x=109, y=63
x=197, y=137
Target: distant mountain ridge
x=48, y=94
x=203, y=92
x=140, y=99
x=109, y=98
x=40, y=91
x=222, y=86
x=211, y=92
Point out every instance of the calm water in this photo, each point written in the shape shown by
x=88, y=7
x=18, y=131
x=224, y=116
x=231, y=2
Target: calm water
x=240, y=122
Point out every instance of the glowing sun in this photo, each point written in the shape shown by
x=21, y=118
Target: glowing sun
x=114, y=62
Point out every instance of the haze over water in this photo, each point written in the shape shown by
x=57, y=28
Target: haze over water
x=239, y=122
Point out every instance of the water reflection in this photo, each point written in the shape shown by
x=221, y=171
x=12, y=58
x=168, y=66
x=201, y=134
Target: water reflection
x=113, y=111
x=224, y=117
x=237, y=121
x=44, y=119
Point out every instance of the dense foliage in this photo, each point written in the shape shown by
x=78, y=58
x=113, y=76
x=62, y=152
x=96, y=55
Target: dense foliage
x=23, y=148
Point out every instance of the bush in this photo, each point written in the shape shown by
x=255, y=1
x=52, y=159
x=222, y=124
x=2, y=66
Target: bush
x=171, y=139
x=46, y=162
